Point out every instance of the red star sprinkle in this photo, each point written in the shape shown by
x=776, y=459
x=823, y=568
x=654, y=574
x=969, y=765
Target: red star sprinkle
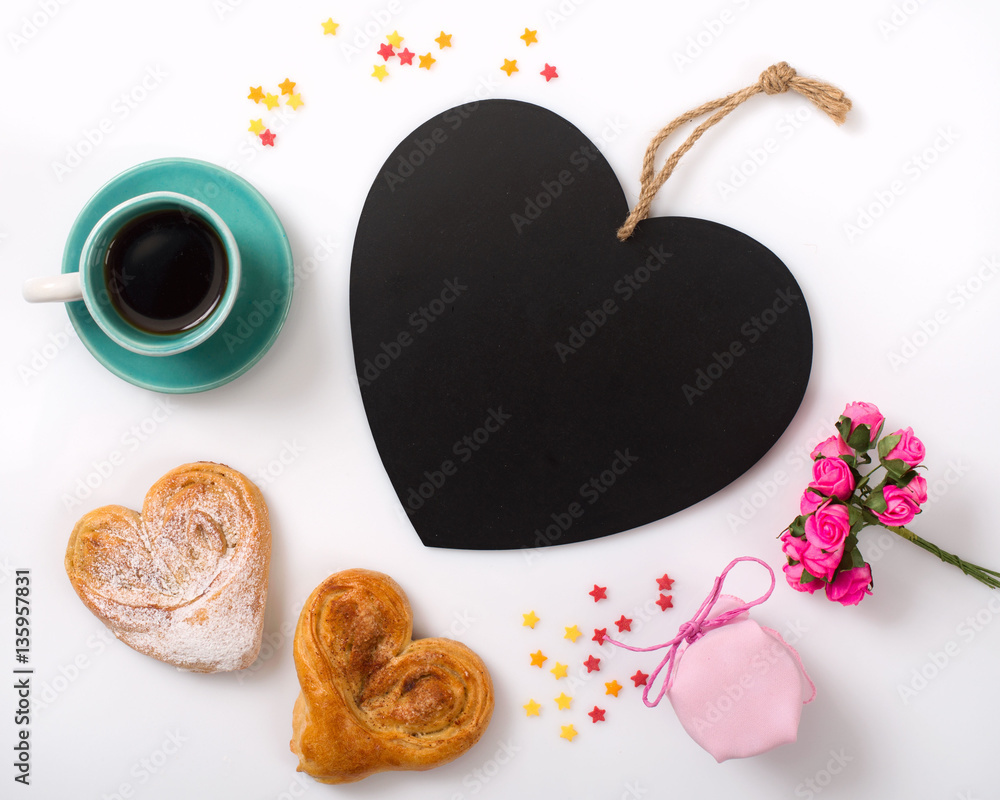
x=599, y=592
x=597, y=715
x=385, y=50
x=267, y=138
x=666, y=601
x=664, y=583
x=405, y=56
x=624, y=624
x=549, y=72
x=599, y=634
x=639, y=678
x=592, y=664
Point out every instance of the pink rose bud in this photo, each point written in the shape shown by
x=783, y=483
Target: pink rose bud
x=828, y=527
x=793, y=546
x=833, y=478
x=850, y=586
x=865, y=414
x=822, y=563
x=793, y=574
x=834, y=447
x=900, y=506
x=810, y=501
x=917, y=489
x=909, y=449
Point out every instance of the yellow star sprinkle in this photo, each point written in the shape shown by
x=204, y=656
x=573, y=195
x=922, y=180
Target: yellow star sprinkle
x=530, y=37
x=444, y=40
x=568, y=732
x=426, y=61
x=530, y=619
x=394, y=39
x=286, y=86
x=256, y=94
x=531, y=708
x=537, y=659
x=510, y=67
x=573, y=633
x=330, y=27
x=295, y=100
x=563, y=701
x=271, y=100
x=380, y=72
x=613, y=688
x=256, y=126
x=559, y=670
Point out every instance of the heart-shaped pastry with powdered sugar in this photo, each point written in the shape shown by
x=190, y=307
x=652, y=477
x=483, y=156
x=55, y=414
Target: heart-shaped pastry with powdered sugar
x=185, y=581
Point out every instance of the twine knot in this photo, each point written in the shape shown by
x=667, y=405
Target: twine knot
x=694, y=629
x=776, y=78
x=690, y=632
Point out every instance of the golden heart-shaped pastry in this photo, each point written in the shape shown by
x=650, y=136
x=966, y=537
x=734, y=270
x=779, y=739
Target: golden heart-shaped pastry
x=186, y=580
x=373, y=699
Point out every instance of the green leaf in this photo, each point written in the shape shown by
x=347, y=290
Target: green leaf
x=886, y=444
x=896, y=468
x=906, y=477
x=807, y=577
x=870, y=519
x=844, y=427
x=876, y=502
x=857, y=560
x=855, y=515
x=798, y=526
x=847, y=560
x=861, y=439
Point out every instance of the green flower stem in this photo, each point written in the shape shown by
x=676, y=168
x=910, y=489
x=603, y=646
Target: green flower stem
x=981, y=574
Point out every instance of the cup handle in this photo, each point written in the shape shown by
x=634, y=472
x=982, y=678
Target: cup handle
x=53, y=289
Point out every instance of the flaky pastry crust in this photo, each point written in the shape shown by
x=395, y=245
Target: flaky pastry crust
x=372, y=699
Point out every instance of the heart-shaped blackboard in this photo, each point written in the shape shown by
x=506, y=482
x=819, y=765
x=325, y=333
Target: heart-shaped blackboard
x=529, y=379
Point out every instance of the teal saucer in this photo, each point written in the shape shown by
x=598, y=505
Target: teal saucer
x=265, y=288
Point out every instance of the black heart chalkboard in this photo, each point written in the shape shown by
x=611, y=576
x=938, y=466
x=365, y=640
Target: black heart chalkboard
x=529, y=379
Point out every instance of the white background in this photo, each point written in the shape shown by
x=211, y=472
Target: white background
x=924, y=78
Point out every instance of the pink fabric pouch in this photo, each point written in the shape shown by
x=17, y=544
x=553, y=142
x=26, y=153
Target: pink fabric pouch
x=737, y=688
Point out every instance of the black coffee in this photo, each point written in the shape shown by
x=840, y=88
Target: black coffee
x=166, y=271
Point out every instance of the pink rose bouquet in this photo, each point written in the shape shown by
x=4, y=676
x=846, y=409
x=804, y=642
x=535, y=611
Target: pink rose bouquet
x=821, y=544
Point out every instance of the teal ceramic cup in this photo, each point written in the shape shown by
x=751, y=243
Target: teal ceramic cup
x=160, y=251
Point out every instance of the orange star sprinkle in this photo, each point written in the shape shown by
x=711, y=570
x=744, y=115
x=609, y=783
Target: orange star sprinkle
x=530, y=37
x=531, y=708
x=613, y=688
x=568, y=732
x=256, y=94
x=286, y=86
x=444, y=40
x=426, y=61
x=510, y=67
x=537, y=659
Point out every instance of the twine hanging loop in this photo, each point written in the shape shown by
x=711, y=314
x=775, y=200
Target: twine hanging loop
x=776, y=79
